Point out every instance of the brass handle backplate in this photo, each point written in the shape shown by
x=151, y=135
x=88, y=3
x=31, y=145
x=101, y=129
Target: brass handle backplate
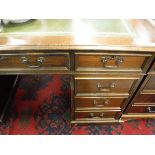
x=38, y=64
x=150, y=110
x=3, y=58
x=102, y=88
x=92, y=115
x=118, y=60
x=104, y=102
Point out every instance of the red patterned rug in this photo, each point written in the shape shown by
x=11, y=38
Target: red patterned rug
x=42, y=106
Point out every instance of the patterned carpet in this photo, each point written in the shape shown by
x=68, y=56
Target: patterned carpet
x=42, y=106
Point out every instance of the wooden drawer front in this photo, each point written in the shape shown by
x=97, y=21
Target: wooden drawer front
x=142, y=109
x=100, y=61
x=55, y=61
x=94, y=115
x=146, y=99
x=98, y=102
x=103, y=85
x=150, y=85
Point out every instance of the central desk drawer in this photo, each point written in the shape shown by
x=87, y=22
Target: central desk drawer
x=102, y=85
x=102, y=61
x=59, y=61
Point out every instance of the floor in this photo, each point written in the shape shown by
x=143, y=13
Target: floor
x=42, y=106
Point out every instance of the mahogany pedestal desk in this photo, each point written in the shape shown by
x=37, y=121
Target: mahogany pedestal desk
x=110, y=62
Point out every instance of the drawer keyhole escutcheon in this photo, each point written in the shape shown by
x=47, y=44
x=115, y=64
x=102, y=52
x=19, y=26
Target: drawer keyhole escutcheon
x=102, y=88
x=95, y=102
x=118, y=60
x=38, y=63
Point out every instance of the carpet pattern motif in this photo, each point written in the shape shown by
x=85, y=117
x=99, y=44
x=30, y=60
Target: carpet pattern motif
x=42, y=106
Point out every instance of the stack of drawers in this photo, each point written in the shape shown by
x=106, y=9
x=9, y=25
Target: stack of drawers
x=104, y=83
x=143, y=105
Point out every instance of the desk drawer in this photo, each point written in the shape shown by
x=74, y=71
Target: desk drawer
x=102, y=61
x=95, y=115
x=150, y=85
x=98, y=102
x=142, y=109
x=103, y=86
x=35, y=61
x=147, y=99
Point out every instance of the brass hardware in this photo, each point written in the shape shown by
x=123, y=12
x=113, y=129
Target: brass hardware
x=101, y=88
x=118, y=60
x=39, y=62
x=92, y=115
x=101, y=105
x=3, y=58
x=149, y=109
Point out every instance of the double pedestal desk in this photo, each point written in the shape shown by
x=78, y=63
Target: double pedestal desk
x=110, y=63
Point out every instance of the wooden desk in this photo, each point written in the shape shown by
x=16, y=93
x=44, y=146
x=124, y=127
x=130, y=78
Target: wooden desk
x=108, y=60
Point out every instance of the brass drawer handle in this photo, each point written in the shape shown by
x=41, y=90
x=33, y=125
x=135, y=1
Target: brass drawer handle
x=102, y=88
x=92, y=115
x=101, y=105
x=2, y=58
x=118, y=60
x=151, y=111
x=39, y=62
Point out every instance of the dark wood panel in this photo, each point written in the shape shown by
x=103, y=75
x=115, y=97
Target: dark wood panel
x=6, y=84
x=9, y=84
x=150, y=85
x=145, y=99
